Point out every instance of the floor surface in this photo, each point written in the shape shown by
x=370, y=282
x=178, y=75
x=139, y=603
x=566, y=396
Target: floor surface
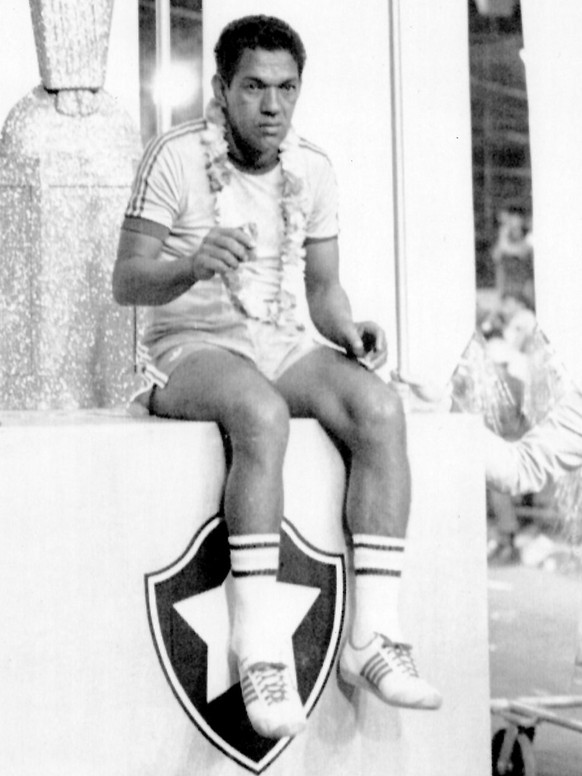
x=533, y=614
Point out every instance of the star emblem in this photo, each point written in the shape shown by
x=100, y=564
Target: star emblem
x=207, y=614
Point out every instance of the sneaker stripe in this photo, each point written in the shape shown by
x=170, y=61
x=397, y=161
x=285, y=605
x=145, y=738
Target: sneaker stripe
x=273, y=705
x=380, y=670
x=375, y=673
x=372, y=664
x=249, y=692
x=372, y=661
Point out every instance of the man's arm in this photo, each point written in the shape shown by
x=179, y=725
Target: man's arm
x=330, y=308
x=141, y=278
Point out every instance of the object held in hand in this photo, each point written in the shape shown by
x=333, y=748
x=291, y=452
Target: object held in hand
x=251, y=230
x=365, y=362
x=369, y=342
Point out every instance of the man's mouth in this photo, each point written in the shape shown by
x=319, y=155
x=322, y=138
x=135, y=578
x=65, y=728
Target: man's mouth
x=270, y=129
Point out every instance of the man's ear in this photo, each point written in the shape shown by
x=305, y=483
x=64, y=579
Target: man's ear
x=218, y=89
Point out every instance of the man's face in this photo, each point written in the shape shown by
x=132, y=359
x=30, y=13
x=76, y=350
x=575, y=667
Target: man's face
x=259, y=103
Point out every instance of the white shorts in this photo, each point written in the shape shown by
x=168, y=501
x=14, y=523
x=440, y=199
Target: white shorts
x=273, y=350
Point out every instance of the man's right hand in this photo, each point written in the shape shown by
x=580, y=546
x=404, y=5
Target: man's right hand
x=221, y=251
x=139, y=278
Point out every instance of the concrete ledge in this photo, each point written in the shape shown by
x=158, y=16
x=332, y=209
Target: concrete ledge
x=93, y=502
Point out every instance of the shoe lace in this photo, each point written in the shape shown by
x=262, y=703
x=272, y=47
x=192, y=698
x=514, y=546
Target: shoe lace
x=399, y=656
x=272, y=681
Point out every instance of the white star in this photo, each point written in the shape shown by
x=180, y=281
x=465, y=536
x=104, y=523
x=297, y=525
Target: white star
x=208, y=615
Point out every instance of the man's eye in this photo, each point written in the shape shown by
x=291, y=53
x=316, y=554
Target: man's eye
x=289, y=87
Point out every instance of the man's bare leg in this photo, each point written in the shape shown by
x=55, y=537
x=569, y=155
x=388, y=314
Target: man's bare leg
x=215, y=385
x=357, y=408
x=366, y=416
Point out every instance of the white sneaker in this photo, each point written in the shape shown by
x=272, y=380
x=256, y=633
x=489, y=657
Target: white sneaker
x=387, y=669
x=271, y=699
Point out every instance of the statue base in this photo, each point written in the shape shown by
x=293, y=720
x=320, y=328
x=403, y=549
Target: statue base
x=64, y=184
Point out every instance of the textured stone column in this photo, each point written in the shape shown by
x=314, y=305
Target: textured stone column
x=67, y=154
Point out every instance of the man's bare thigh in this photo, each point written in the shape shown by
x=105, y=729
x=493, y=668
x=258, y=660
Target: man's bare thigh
x=207, y=385
x=325, y=382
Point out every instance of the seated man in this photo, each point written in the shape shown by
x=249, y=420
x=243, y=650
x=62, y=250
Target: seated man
x=230, y=220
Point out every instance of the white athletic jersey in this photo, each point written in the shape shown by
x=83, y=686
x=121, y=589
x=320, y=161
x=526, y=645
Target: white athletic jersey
x=171, y=199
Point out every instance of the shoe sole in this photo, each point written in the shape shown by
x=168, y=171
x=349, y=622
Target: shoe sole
x=282, y=731
x=358, y=681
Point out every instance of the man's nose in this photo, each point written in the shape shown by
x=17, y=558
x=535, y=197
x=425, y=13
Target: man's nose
x=271, y=101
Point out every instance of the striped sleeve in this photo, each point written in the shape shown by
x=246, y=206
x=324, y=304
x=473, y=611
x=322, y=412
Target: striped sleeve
x=322, y=223
x=159, y=182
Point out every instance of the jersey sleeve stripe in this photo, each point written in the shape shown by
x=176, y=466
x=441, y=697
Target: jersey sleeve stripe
x=153, y=150
x=313, y=240
x=145, y=226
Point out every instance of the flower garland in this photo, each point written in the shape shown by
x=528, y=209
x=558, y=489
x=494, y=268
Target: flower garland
x=219, y=170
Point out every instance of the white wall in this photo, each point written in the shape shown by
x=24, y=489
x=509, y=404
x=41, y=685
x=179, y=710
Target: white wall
x=18, y=63
x=122, y=78
x=82, y=689
x=438, y=197
x=19, y=67
x=553, y=60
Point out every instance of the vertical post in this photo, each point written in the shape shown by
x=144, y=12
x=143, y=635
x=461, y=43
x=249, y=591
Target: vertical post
x=398, y=193
x=163, y=61
x=553, y=69
x=163, y=105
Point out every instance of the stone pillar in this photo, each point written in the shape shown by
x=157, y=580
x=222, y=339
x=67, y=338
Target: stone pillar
x=554, y=85
x=67, y=154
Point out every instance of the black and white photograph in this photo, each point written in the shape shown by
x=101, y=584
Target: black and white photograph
x=291, y=388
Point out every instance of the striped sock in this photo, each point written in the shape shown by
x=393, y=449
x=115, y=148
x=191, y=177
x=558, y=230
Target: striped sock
x=254, y=561
x=378, y=562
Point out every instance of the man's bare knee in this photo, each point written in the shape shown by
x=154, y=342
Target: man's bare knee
x=259, y=424
x=380, y=416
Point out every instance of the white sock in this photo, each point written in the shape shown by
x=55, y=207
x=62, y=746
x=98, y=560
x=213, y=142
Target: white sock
x=254, y=561
x=378, y=562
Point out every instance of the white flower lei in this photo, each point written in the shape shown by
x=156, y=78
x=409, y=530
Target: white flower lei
x=219, y=170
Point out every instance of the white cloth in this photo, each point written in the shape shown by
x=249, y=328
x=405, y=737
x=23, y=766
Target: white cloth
x=542, y=455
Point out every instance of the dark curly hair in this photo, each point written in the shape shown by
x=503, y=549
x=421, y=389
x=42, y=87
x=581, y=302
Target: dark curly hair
x=252, y=32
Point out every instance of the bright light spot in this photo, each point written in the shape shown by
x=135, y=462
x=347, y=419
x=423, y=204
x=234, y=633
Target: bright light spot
x=176, y=85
